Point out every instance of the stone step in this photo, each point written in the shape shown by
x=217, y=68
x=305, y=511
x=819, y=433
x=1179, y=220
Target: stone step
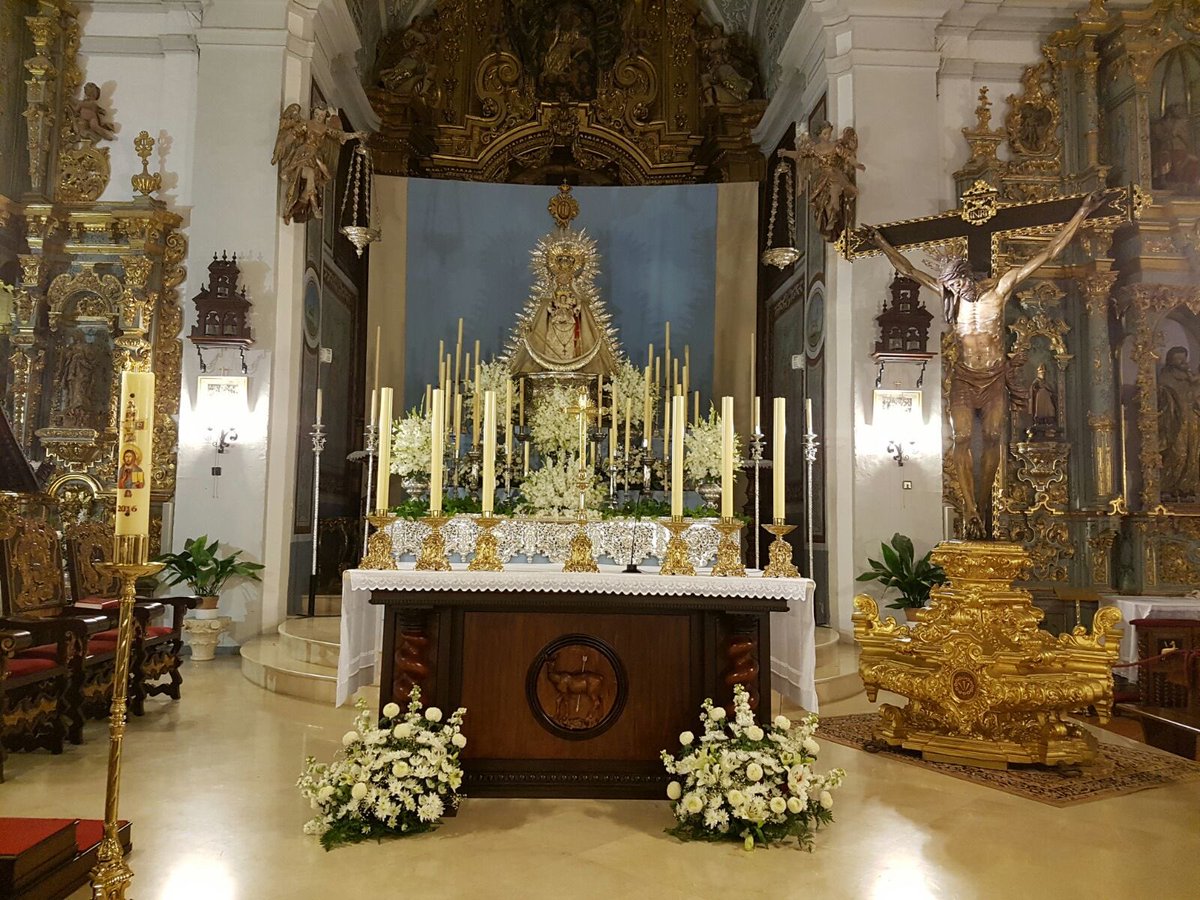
x=267, y=662
x=827, y=651
x=312, y=640
x=326, y=604
x=845, y=682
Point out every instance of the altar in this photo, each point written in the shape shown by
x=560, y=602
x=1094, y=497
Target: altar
x=573, y=682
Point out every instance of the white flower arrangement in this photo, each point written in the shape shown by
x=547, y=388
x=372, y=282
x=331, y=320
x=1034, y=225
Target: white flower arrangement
x=629, y=382
x=412, y=443
x=742, y=781
x=493, y=376
x=553, y=489
x=392, y=778
x=555, y=427
x=702, y=448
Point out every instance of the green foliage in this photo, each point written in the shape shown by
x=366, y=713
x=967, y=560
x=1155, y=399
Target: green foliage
x=649, y=508
x=913, y=579
x=451, y=506
x=204, y=571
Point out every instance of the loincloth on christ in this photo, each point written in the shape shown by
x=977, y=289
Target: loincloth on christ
x=978, y=389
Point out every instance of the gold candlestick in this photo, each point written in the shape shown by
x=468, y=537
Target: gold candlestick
x=780, y=551
x=487, y=556
x=111, y=876
x=677, y=561
x=379, y=545
x=729, y=550
x=432, y=557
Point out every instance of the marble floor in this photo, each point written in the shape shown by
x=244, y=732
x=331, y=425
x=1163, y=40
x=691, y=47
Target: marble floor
x=208, y=783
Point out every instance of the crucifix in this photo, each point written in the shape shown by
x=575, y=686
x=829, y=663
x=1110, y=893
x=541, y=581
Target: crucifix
x=973, y=299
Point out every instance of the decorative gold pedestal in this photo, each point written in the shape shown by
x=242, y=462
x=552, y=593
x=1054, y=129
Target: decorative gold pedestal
x=111, y=875
x=986, y=686
x=729, y=550
x=780, y=564
x=379, y=544
x=432, y=556
x=487, y=555
x=582, y=556
x=676, y=559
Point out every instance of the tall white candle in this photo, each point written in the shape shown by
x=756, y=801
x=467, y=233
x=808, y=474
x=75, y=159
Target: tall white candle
x=383, y=473
x=779, y=460
x=437, y=438
x=318, y=406
x=726, y=457
x=678, y=420
x=489, y=452
x=508, y=446
x=136, y=456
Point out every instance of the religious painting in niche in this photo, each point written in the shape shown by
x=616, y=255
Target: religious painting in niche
x=576, y=686
x=1174, y=133
x=82, y=378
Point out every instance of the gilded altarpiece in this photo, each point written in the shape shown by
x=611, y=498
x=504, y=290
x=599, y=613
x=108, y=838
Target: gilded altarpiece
x=1101, y=481
x=89, y=287
x=595, y=91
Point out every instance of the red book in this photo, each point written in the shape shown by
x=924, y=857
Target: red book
x=99, y=603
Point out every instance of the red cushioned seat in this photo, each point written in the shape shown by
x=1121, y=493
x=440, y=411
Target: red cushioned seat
x=19, y=667
x=41, y=651
x=95, y=646
x=113, y=634
x=159, y=631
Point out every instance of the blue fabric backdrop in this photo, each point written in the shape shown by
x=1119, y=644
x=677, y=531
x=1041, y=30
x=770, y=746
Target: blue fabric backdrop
x=468, y=255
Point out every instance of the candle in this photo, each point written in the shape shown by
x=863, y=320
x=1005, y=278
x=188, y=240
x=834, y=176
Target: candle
x=136, y=457
x=475, y=407
x=779, y=458
x=646, y=408
x=378, y=334
x=679, y=417
x=525, y=449
x=521, y=407
x=374, y=406
x=1124, y=461
x=628, y=416
x=726, y=457
x=675, y=382
x=457, y=423
x=318, y=406
x=612, y=425
x=436, y=452
x=667, y=344
x=489, y=453
x=756, y=424
x=428, y=400
x=753, y=385
x=441, y=351
x=508, y=421
x=696, y=409
x=666, y=429
x=582, y=408
x=383, y=474
x=478, y=358
x=650, y=354
x=687, y=381
x=657, y=372
x=458, y=353
x=808, y=416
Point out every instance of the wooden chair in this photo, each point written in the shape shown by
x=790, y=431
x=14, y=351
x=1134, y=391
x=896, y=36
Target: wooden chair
x=157, y=649
x=33, y=696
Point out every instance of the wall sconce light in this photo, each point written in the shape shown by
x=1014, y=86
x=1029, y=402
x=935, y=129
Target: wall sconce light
x=221, y=403
x=897, y=413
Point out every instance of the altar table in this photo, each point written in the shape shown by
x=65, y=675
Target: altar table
x=1146, y=607
x=572, y=682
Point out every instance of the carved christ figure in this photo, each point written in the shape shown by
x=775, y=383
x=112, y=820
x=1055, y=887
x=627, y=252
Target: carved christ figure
x=982, y=378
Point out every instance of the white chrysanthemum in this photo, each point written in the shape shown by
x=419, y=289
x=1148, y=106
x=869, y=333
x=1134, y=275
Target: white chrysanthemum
x=735, y=797
x=359, y=790
x=391, y=711
x=459, y=740
x=674, y=790
x=754, y=772
x=754, y=733
x=783, y=723
x=686, y=738
x=325, y=793
x=433, y=714
x=795, y=805
x=717, y=713
x=826, y=799
x=402, y=731
x=778, y=805
x=811, y=747
x=430, y=807
x=693, y=803
x=349, y=738
x=400, y=768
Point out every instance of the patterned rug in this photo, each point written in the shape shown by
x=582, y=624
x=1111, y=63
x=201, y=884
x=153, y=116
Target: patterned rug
x=1120, y=770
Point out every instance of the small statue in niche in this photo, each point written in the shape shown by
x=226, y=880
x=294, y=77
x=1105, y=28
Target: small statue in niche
x=726, y=78
x=82, y=371
x=1043, y=407
x=412, y=75
x=91, y=118
x=1175, y=164
x=1179, y=427
x=305, y=152
x=827, y=169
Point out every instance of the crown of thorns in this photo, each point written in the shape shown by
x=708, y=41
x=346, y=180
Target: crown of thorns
x=950, y=266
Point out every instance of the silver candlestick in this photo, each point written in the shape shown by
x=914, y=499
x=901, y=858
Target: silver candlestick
x=369, y=446
x=318, y=445
x=810, y=457
x=756, y=461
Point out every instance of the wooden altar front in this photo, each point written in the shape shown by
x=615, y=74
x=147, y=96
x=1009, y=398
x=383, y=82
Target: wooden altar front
x=573, y=684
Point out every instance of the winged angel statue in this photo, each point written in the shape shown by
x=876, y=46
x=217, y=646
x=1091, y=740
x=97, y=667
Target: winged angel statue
x=306, y=153
x=827, y=170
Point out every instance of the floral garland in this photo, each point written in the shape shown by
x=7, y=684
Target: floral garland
x=553, y=489
x=393, y=779
x=702, y=448
x=555, y=428
x=744, y=782
x=629, y=383
x=412, y=443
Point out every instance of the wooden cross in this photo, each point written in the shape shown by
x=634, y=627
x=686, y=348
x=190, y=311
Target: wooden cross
x=983, y=220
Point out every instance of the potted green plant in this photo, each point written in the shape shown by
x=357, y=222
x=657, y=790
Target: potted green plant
x=899, y=569
x=204, y=571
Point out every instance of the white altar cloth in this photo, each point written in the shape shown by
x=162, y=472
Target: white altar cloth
x=793, y=634
x=1146, y=607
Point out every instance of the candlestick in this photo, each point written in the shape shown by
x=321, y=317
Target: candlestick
x=677, y=560
x=475, y=408
x=317, y=436
x=726, y=457
x=756, y=421
x=521, y=402
x=437, y=449
x=380, y=555
x=432, y=555
x=780, y=565
x=383, y=475
x=487, y=548
x=318, y=406
x=756, y=460
x=613, y=426
x=488, y=497
x=779, y=460
x=137, y=454
x=508, y=422
x=729, y=550
x=753, y=362
x=679, y=418
x=646, y=408
x=628, y=417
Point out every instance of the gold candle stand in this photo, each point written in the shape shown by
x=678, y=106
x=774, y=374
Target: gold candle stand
x=379, y=544
x=582, y=556
x=779, y=564
x=729, y=550
x=677, y=560
x=111, y=875
x=432, y=557
x=487, y=555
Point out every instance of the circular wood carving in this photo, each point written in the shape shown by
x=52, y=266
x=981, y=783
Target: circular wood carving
x=576, y=686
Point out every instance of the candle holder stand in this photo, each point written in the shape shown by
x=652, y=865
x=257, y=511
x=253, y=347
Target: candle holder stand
x=111, y=875
x=810, y=457
x=756, y=461
x=729, y=550
x=432, y=556
x=318, y=445
x=379, y=554
x=487, y=548
x=474, y=465
x=677, y=560
x=369, y=447
x=647, y=460
x=780, y=552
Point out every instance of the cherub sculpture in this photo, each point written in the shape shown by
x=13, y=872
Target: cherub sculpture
x=305, y=151
x=827, y=170
x=90, y=117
